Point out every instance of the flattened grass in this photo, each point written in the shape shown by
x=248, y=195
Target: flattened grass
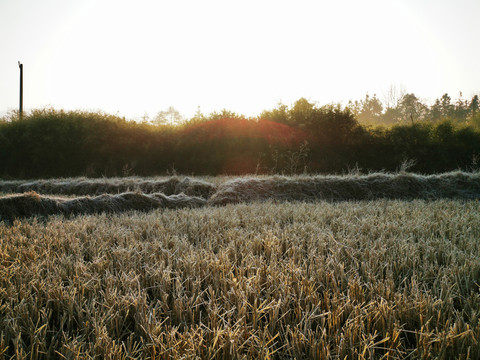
x=402, y=186
x=32, y=204
x=92, y=187
x=103, y=195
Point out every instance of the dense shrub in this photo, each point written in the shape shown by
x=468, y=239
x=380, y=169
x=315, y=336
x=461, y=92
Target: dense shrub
x=52, y=143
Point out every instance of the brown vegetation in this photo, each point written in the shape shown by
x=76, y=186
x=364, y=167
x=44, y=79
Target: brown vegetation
x=85, y=186
x=268, y=278
x=402, y=186
x=31, y=204
x=362, y=280
x=190, y=192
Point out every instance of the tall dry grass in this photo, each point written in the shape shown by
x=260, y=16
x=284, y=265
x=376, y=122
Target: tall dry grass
x=378, y=279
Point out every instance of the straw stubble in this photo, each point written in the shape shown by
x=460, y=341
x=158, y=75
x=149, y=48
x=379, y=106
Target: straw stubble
x=365, y=279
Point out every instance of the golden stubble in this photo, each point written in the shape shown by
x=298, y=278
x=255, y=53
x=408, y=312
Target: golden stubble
x=374, y=279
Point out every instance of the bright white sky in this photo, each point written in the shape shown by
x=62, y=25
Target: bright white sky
x=135, y=57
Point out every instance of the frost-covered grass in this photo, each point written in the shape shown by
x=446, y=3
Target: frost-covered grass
x=86, y=186
x=34, y=198
x=355, y=279
x=404, y=186
x=299, y=187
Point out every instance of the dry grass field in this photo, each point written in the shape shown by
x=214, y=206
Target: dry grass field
x=255, y=278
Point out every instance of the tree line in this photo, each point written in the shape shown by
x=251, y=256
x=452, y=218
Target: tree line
x=401, y=107
x=303, y=137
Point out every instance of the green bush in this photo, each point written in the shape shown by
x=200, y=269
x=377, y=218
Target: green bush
x=57, y=143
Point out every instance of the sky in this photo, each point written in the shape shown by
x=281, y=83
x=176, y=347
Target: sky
x=136, y=58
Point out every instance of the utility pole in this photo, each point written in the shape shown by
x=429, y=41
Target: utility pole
x=20, y=65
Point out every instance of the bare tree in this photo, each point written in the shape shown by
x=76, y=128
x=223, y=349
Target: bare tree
x=392, y=97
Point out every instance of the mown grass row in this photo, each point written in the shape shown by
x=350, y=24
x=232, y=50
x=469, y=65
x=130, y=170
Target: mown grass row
x=354, y=186
x=145, y=194
x=81, y=186
x=380, y=279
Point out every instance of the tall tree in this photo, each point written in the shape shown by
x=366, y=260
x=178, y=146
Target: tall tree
x=371, y=109
x=474, y=106
x=301, y=112
x=446, y=106
x=412, y=108
x=436, y=110
x=171, y=116
x=461, y=108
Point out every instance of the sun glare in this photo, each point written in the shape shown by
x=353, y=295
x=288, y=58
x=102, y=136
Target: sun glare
x=142, y=57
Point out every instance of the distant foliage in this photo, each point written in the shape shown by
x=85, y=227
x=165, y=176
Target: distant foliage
x=400, y=107
x=303, y=138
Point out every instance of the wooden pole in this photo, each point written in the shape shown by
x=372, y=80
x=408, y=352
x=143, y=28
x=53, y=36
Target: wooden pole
x=20, y=65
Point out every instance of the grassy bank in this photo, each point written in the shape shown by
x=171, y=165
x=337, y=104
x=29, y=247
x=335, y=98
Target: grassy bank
x=366, y=279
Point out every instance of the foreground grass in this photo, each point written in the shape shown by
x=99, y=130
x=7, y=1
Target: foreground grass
x=379, y=279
